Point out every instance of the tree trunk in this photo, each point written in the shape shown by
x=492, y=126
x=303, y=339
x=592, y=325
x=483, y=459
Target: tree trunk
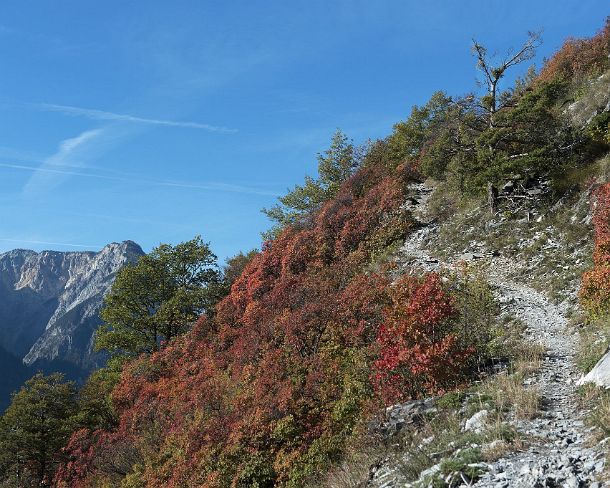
x=492, y=198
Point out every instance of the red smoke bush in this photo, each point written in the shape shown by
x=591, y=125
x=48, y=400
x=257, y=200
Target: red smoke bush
x=595, y=288
x=272, y=386
x=419, y=349
x=268, y=391
x=579, y=58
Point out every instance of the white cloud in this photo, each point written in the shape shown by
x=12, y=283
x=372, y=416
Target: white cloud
x=103, y=115
x=72, y=152
x=48, y=243
x=56, y=172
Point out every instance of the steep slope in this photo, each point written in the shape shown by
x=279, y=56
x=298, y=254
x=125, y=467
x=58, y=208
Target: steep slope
x=50, y=303
x=558, y=449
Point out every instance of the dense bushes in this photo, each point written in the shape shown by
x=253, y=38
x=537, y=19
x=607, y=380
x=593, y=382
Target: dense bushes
x=579, y=59
x=269, y=389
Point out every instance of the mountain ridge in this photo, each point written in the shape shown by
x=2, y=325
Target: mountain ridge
x=51, y=301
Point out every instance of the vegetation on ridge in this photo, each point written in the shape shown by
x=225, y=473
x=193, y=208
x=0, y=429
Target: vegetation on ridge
x=305, y=341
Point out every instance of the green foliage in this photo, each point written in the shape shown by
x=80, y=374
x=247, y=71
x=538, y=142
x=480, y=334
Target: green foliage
x=451, y=400
x=599, y=128
x=234, y=267
x=34, y=428
x=95, y=409
x=335, y=165
x=159, y=297
x=464, y=462
x=478, y=315
x=409, y=136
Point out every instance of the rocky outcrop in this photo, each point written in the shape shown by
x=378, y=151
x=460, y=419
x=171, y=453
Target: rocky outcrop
x=50, y=303
x=600, y=374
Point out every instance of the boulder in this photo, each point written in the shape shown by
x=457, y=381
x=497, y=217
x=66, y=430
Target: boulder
x=600, y=374
x=477, y=422
x=404, y=414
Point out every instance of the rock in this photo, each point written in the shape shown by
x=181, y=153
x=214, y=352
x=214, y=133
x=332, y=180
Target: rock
x=600, y=374
x=51, y=301
x=431, y=471
x=571, y=482
x=508, y=187
x=477, y=422
x=471, y=256
x=404, y=414
x=534, y=191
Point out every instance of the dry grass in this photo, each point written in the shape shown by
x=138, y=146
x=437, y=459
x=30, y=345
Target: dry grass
x=507, y=389
x=508, y=393
x=598, y=401
x=353, y=472
x=593, y=344
x=528, y=358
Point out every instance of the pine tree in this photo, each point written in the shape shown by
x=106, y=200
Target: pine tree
x=34, y=428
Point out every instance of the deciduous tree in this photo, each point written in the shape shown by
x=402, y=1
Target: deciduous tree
x=159, y=297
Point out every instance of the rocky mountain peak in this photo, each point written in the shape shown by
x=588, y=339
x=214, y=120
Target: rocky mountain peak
x=51, y=301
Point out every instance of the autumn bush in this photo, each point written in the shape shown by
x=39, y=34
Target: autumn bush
x=579, y=58
x=595, y=289
x=268, y=390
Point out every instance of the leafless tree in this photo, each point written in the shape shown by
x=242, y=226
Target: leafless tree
x=494, y=100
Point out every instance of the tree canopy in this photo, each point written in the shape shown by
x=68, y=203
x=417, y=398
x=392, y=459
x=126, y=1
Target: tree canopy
x=159, y=297
x=34, y=428
x=335, y=165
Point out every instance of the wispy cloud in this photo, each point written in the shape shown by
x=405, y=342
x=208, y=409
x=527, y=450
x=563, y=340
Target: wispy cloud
x=49, y=243
x=72, y=152
x=58, y=170
x=96, y=114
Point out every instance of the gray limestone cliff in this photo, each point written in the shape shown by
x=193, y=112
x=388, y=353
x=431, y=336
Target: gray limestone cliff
x=50, y=303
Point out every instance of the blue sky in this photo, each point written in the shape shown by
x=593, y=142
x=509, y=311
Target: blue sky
x=156, y=121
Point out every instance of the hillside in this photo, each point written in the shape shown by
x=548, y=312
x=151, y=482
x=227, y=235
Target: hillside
x=412, y=320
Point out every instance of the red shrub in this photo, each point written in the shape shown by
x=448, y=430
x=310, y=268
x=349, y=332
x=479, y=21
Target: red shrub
x=595, y=288
x=579, y=58
x=418, y=349
x=275, y=383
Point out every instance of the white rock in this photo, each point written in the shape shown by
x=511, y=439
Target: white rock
x=600, y=374
x=431, y=471
x=476, y=423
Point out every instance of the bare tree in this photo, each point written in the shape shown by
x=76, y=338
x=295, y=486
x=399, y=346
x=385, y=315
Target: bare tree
x=494, y=100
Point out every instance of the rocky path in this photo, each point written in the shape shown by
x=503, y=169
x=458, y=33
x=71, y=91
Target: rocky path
x=558, y=451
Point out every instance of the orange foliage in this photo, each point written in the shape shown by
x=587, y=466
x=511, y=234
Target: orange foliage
x=277, y=380
x=595, y=288
x=579, y=58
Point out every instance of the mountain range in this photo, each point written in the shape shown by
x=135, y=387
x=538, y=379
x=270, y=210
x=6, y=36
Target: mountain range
x=49, y=309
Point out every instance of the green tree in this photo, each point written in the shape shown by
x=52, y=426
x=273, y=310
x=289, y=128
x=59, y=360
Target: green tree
x=409, y=137
x=235, y=266
x=335, y=165
x=159, y=297
x=95, y=408
x=34, y=428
